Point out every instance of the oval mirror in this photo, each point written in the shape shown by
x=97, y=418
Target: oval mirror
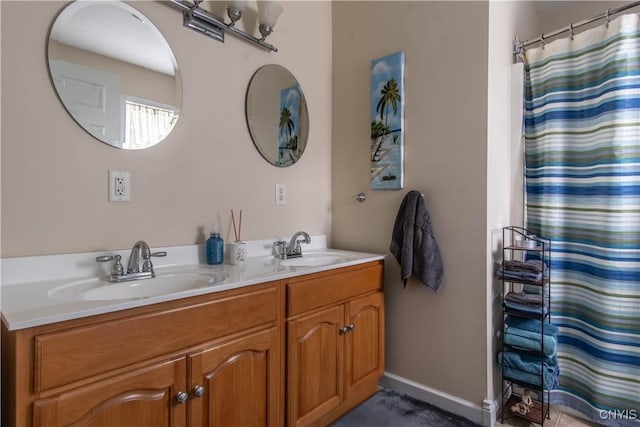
x=115, y=73
x=277, y=115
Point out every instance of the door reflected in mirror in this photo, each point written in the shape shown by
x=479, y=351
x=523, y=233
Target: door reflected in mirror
x=115, y=73
x=277, y=115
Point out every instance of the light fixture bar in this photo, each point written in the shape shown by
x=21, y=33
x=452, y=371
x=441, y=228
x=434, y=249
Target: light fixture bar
x=203, y=26
x=213, y=26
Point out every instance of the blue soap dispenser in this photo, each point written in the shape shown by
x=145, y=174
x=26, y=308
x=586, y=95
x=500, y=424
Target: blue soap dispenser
x=215, y=249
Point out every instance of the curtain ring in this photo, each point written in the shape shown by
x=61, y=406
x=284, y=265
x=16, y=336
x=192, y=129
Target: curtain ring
x=571, y=30
x=606, y=16
x=542, y=40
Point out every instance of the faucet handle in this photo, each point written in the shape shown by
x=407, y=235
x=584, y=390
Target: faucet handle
x=117, y=265
x=147, y=266
x=280, y=249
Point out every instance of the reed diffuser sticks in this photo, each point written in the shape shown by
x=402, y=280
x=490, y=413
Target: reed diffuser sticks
x=236, y=231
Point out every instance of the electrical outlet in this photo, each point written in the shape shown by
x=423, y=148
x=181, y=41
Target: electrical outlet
x=119, y=186
x=281, y=194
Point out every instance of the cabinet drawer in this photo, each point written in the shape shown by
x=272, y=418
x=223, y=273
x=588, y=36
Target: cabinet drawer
x=67, y=356
x=304, y=294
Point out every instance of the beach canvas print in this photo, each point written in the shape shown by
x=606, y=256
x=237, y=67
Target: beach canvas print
x=387, y=122
x=289, y=126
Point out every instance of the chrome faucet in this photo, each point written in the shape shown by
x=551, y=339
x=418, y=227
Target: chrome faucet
x=293, y=249
x=140, y=251
x=294, y=244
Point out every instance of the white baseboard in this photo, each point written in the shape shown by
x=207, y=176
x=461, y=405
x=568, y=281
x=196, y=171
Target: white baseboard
x=484, y=415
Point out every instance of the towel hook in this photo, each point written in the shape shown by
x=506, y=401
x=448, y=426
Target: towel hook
x=361, y=197
x=571, y=30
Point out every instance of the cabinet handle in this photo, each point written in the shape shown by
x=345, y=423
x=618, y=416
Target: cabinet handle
x=350, y=327
x=182, y=397
x=198, y=391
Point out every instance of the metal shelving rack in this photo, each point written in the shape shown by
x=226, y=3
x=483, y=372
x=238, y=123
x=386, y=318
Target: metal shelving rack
x=519, y=244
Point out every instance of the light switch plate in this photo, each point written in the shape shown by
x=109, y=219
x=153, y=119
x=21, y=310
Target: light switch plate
x=119, y=186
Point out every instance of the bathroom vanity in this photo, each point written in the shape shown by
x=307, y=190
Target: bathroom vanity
x=269, y=346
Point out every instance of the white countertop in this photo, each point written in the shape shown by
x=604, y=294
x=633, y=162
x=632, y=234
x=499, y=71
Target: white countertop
x=26, y=282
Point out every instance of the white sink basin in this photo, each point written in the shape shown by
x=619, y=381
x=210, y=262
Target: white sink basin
x=317, y=259
x=97, y=289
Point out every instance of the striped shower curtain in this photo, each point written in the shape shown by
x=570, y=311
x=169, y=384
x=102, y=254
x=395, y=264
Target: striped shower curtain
x=582, y=155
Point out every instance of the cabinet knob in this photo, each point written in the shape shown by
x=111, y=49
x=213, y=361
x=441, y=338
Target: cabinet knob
x=182, y=397
x=344, y=330
x=351, y=327
x=198, y=391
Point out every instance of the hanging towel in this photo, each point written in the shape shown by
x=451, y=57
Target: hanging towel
x=413, y=244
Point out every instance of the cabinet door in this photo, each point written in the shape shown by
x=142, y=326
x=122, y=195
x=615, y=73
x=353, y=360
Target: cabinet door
x=364, y=346
x=142, y=397
x=315, y=365
x=239, y=380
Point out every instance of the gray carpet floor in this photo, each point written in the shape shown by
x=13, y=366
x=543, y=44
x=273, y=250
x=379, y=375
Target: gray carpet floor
x=388, y=408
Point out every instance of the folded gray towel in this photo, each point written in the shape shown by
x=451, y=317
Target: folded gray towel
x=534, y=265
x=533, y=299
x=413, y=244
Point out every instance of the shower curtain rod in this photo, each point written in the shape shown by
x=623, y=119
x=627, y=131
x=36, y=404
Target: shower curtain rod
x=519, y=46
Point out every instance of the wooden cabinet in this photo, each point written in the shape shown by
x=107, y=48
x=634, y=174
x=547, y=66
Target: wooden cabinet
x=364, y=344
x=335, y=350
x=142, y=397
x=236, y=383
x=315, y=365
x=219, y=360
x=212, y=360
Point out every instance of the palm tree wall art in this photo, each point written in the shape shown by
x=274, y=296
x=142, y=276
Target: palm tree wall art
x=289, y=126
x=387, y=122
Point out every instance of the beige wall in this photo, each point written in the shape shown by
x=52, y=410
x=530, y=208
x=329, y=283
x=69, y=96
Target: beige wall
x=54, y=174
x=434, y=339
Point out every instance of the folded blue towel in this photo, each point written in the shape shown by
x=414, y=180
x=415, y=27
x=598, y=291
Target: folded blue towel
x=550, y=379
x=527, y=309
x=528, y=362
x=530, y=341
x=532, y=325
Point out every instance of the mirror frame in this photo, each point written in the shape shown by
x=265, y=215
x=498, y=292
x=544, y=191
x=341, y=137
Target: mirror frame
x=273, y=151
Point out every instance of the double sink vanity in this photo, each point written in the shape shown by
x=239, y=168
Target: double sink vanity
x=270, y=342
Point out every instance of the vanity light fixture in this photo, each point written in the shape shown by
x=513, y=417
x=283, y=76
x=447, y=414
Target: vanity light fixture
x=214, y=26
x=235, y=9
x=268, y=13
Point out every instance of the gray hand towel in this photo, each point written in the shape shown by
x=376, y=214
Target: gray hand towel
x=413, y=244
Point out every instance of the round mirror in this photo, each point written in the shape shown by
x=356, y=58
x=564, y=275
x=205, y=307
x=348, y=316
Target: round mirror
x=115, y=73
x=277, y=115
